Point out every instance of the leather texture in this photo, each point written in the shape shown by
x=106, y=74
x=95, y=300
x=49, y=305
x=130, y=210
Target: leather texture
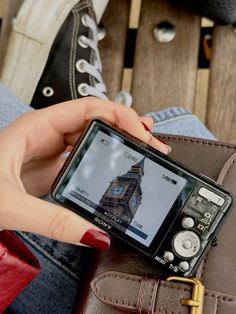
x=152, y=295
x=220, y=11
x=123, y=280
x=18, y=267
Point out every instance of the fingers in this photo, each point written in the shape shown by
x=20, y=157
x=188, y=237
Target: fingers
x=37, y=177
x=61, y=125
x=52, y=221
x=148, y=121
x=118, y=115
x=131, y=122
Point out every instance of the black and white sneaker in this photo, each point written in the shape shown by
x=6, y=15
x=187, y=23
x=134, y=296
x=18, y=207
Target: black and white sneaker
x=52, y=54
x=220, y=11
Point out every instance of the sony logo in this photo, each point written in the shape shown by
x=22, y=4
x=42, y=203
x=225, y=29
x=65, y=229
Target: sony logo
x=102, y=223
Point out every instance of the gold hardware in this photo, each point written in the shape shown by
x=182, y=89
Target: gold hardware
x=196, y=303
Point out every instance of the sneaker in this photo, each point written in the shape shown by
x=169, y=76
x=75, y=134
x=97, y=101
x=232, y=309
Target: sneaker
x=220, y=11
x=52, y=54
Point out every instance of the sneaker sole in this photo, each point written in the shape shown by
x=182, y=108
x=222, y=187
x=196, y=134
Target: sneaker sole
x=33, y=34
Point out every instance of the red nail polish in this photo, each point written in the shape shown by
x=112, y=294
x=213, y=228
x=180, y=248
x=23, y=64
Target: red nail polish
x=96, y=239
x=146, y=127
x=162, y=141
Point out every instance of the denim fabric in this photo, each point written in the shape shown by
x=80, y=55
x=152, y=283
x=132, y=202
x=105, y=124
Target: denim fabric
x=55, y=288
x=179, y=121
x=10, y=107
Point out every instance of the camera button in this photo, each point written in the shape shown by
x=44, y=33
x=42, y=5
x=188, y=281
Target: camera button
x=188, y=222
x=168, y=256
x=211, y=196
x=186, y=244
x=184, y=266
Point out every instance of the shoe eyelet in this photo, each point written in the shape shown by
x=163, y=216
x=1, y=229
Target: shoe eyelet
x=83, y=89
x=84, y=20
x=81, y=42
x=101, y=32
x=48, y=91
x=80, y=65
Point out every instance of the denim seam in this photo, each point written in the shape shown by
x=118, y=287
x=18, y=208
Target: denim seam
x=171, y=119
x=42, y=250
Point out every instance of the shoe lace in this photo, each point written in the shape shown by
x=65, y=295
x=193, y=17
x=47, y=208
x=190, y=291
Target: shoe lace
x=95, y=68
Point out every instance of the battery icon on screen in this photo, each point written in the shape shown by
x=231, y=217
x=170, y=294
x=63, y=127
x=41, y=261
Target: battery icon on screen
x=104, y=142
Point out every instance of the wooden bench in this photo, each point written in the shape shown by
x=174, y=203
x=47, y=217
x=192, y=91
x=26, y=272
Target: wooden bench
x=163, y=74
x=167, y=74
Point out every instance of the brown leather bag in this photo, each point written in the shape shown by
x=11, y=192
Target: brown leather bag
x=121, y=279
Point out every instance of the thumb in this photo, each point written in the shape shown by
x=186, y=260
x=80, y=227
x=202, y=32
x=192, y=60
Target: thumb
x=53, y=221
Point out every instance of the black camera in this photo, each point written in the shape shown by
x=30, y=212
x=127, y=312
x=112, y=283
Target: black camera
x=143, y=197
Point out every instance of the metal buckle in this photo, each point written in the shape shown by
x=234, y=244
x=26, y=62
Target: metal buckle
x=196, y=303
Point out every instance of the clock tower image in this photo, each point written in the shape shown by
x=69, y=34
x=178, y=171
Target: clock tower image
x=123, y=197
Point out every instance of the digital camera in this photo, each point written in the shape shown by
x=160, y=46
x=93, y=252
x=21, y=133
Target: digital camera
x=143, y=197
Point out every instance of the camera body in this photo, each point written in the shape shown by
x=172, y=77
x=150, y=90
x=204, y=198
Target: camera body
x=143, y=197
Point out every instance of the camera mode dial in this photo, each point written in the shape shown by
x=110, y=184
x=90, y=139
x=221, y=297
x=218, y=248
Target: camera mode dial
x=186, y=244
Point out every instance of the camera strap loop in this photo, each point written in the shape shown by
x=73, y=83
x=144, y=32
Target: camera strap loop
x=147, y=295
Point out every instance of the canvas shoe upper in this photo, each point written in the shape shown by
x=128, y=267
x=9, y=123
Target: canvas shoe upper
x=73, y=68
x=52, y=54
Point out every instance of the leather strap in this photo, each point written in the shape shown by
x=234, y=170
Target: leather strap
x=147, y=295
x=228, y=173
x=152, y=295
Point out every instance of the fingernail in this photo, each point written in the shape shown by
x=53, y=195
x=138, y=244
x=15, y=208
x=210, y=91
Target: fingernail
x=96, y=239
x=65, y=155
x=146, y=127
x=162, y=141
x=168, y=149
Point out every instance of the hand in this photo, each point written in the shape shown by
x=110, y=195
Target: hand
x=31, y=156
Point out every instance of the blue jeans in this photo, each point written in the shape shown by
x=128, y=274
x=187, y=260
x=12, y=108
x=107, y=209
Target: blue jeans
x=55, y=288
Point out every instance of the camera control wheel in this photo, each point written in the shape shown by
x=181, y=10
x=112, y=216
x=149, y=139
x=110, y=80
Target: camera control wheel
x=186, y=244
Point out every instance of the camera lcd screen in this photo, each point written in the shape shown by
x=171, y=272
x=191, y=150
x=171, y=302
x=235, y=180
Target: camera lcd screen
x=112, y=179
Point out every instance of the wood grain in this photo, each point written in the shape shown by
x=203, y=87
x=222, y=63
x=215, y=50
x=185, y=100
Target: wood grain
x=134, y=13
x=112, y=47
x=221, y=109
x=165, y=73
x=201, y=94
x=3, y=6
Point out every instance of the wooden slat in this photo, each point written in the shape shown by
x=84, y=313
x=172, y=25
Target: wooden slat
x=221, y=110
x=134, y=13
x=165, y=73
x=112, y=47
x=3, y=6
x=201, y=94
